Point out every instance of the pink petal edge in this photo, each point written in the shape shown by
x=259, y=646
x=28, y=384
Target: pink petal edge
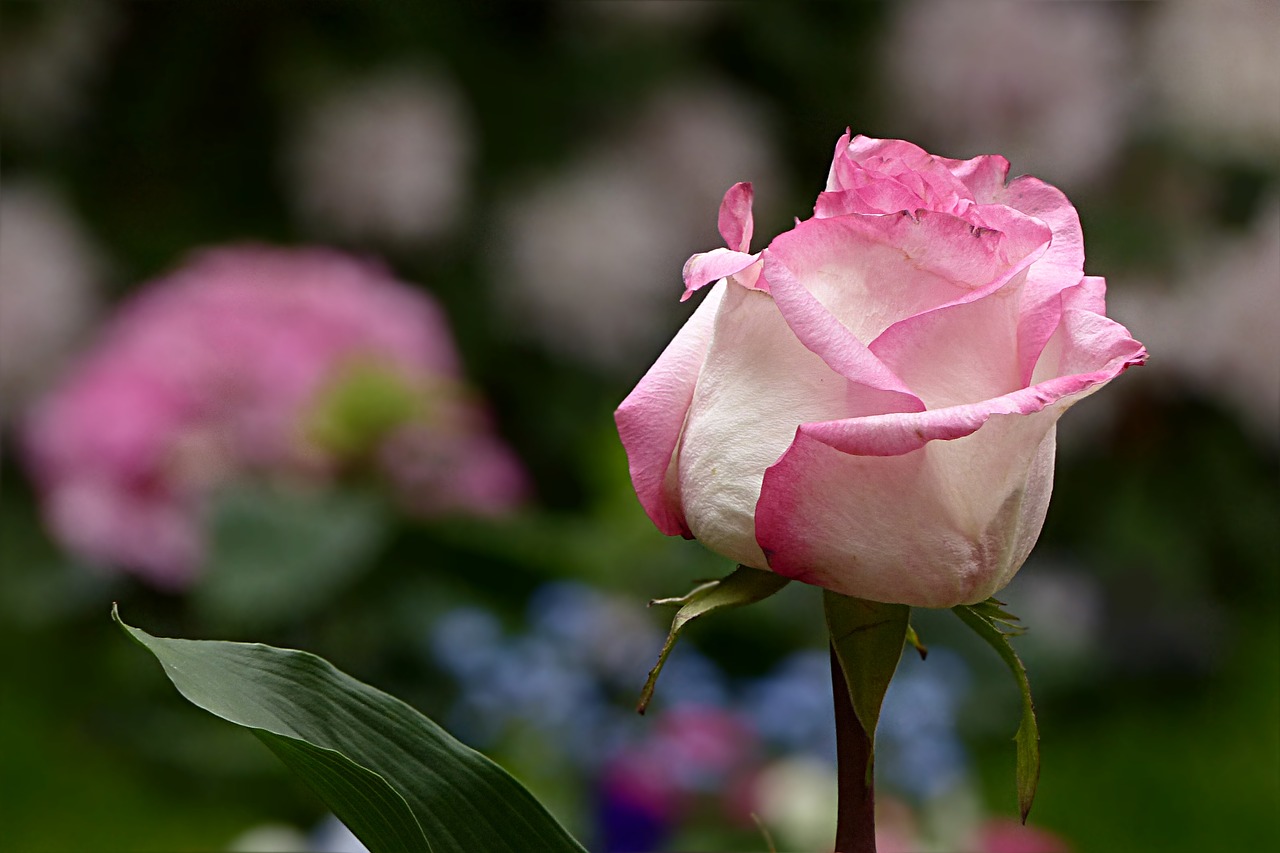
x=735, y=220
x=652, y=416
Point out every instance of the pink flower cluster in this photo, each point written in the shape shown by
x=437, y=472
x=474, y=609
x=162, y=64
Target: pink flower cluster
x=220, y=371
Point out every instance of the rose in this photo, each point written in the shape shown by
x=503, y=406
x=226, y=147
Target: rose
x=870, y=403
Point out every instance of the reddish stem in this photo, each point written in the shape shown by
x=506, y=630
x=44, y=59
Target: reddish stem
x=856, y=812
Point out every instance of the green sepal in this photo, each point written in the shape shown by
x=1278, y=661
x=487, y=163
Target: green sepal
x=745, y=586
x=868, y=638
x=914, y=639
x=401, y=783
x=992, y=623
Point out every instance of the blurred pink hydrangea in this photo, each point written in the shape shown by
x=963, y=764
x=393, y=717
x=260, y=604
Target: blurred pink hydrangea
x=251, y=361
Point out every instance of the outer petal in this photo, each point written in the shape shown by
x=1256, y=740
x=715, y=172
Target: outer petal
x=758, y=382
x=972, y=507
x=971, y=483
x=706, y=267
x=1060, y=268
x=735, y=221
x=651, y=417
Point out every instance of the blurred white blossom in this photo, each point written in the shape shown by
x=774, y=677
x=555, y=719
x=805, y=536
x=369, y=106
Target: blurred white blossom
x=588, y=259
x=269, y=838
x=1218, y=328
x=1214, y=71
x=387, y=158
x=49, y=56
x=50, y=274
x=796, y=798
x=1048, y=85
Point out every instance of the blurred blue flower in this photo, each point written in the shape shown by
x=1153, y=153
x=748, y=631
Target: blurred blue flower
x=918, y=747
x=792, y=706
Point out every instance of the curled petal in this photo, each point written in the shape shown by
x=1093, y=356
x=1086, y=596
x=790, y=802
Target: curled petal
x=736, y=223
x=706, y=267
x=949, y=501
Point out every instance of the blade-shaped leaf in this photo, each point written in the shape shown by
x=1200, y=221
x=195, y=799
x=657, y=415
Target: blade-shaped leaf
x=992, y=624
x=745, y=586
x=360, y=798
x=399, y=781
x=868, y=638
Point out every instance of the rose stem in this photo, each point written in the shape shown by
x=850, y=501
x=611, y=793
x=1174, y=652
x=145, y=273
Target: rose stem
x=856, y=818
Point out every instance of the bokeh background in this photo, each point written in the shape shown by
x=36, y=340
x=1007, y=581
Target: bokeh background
x=540, y=171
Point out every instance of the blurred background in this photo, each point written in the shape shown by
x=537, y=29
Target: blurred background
x=473, y=218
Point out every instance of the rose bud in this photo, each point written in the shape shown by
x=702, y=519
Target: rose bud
x=869, y=404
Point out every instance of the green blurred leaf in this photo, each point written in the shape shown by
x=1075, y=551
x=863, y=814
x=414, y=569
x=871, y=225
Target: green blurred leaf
x=868, y=638
x=994, y=625
x=360, y=407
x=399, y=781
x=277, y=554
x=745, y=586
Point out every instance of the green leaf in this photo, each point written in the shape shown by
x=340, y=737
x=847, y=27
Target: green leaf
x=745, y=586
x=995, y=626
x=399, y=781
x=868, y=638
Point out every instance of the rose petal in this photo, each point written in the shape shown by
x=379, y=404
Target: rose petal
x=985, y=176
x=706, y=267
x=735, y=221
x=973, y=507
x=909, y=165
x=968, y=349
x=651, y=417
x=971, y=483
x=873, y=271
x=757, y=383
x=958, y=353
x=1089, y=295
x=839, y=348
x=1061, y=267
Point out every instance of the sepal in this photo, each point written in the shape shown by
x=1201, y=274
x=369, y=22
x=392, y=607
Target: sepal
x=745, y=586
x=992, y=623
x=868, y=638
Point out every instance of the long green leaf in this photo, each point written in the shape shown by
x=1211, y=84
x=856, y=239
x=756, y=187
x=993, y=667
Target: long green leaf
x=745, y=586
x=995, y=626
x=868, y=638
x=399, y=781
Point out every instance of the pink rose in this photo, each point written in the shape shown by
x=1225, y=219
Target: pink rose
x=869, y=404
